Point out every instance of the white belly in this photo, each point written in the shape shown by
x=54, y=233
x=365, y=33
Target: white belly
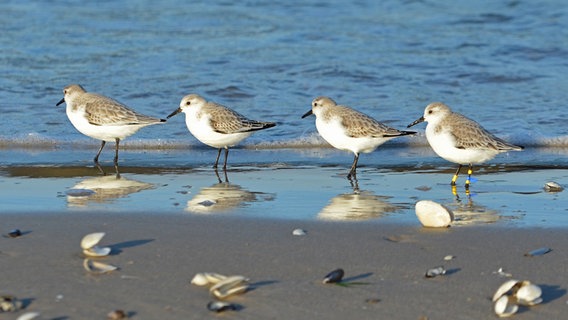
x=443, y=144
x=334, y=133
x=201, y=130
x=106, y=133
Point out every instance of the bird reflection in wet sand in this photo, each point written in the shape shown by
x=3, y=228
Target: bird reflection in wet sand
x=467, y=212
x=224, y=196
x=358, y=205
x=103, y=189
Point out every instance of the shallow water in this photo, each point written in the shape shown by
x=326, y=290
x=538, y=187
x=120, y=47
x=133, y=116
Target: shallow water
x=500, y=63
x=508, y=194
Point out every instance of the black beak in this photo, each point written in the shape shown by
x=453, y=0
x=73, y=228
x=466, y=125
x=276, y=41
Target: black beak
x=309, y=113
x=421, y=119
x=60, y=102
x=178, y=110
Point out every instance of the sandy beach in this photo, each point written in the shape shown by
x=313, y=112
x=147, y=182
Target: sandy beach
x=384, y=268
x=164, y=224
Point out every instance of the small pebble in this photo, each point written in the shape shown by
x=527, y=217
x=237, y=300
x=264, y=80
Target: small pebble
x=434, y=272
x=334, y=276
x=449, y=257
x=116, y=315
x=14, y=233
x=299, y=232
x=221, y=306
x=373, y=300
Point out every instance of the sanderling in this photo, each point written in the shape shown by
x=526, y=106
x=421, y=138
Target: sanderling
x=102, y=118
x=216, y=125
x=459, y=139
x=347, y=129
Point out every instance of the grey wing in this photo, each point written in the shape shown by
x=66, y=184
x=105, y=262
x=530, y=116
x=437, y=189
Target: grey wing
x=225, y=120
x=106, y=111
x=358, y=125
x=470, y=135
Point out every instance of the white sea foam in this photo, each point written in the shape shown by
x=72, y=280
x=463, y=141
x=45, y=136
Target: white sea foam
x=310, y=140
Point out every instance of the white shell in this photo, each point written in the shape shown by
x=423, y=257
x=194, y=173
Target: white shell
x=299, y=232
x=504, y=288
x=552, y=186
x=91, y=240
x=97, y=267
x=28, y=316
x=97, y=251
x=504, y=307
x=230, y=286
x=207, y=278
x=529, y=294
x=433, y=215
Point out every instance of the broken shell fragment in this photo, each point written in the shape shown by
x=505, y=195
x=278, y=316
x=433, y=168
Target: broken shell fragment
x=552, y=186
x=10, y=304
x=207, y=278
x=28, y=316
x=90, y=248
x=433, y=215
x=538, y=252
x=97, y=267
x=220, y=306
x=229, y=286
x=528, y=294
x=505, y=306
x=434, y=272
x=334, y=276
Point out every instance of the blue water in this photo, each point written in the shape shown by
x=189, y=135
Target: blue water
x=502, y=63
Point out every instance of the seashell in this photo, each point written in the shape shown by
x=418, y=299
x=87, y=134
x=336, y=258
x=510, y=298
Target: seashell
x=449, y=257
x=528, y=294
x=433, y=215
x=552, y=186
x=14, y=233
x=28, y=316
x=207, y=278
x=434, y=272
x=220, y=306
x=97, y=267
x=505, y=307
x=117, y=315
x=504, y=288
x=229, y=286
x=91, y=240
x=299, y=232
x=90, y=248
x=10, y=304
x=538, y=252
x=334, y=276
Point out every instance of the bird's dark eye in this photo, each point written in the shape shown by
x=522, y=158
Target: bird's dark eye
x=315, y=104
x=188, y=103
x=430, y=112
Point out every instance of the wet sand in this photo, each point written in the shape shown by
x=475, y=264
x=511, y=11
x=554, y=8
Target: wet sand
x=384, y=267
